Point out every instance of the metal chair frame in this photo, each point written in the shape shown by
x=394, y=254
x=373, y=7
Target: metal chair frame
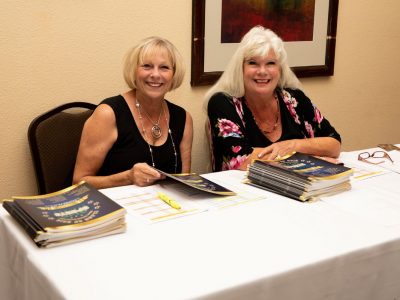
x=68, y=120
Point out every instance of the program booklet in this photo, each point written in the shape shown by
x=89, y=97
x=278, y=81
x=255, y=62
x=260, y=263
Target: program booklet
x=79, y=212
x=198, y=182
x=299, y=176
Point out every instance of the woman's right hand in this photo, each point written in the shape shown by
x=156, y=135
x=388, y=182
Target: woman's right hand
x=278, y=150
x=142, y=174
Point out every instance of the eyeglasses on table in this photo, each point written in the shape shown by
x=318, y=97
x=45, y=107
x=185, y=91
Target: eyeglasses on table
x=372, y=158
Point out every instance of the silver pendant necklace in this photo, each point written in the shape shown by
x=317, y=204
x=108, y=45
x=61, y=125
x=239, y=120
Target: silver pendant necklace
x=146, y=139
x=156, y=131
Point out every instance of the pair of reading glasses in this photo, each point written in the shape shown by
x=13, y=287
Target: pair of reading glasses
x=369, y=158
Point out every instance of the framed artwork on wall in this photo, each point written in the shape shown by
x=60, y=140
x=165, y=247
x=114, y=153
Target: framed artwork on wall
x=307, y=27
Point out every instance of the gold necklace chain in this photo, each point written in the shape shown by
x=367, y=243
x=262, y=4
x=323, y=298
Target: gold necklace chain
x=146, y=139
x=276, y=119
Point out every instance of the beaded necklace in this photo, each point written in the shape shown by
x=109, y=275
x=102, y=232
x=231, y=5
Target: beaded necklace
x=146, y=139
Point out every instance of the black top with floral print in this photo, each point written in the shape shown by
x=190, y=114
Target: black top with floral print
x=234, y=132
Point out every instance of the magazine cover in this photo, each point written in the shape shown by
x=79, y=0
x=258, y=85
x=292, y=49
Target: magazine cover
x=309, y=166
x=196, y=181
x=74, y=214
x=75, y=207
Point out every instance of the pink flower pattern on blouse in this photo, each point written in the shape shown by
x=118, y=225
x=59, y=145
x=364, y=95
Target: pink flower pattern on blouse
x=228, y=129
x=239, y=108
x=309, y=129
x=236, y=149
x=291, y=104
x=318, y=117
x=234, y=163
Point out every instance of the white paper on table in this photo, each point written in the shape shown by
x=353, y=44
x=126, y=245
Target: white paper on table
x=376, y=205
x=362, y=170
x=145, y=204
x=387, y=164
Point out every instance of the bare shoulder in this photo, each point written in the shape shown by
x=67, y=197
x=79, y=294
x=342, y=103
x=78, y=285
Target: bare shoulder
x=189, y=117
x=103, y=112
x=101, y=123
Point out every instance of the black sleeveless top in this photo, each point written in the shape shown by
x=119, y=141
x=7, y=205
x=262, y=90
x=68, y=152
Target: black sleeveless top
x=130, y=147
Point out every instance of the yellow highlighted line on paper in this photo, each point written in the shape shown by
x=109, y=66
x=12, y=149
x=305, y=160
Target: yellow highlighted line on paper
x=173, y=214
x=367, y=175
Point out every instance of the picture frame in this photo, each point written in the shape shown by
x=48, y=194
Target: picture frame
x=209, y=55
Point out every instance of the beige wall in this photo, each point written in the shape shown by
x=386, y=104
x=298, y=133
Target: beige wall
x=59, y=51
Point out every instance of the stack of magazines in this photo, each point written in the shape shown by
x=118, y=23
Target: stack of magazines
x=300, y=176
x=77, y=213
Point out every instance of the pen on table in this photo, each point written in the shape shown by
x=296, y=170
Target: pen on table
x=168, y=200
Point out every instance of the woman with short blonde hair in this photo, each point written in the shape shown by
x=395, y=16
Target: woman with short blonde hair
x=131, y=136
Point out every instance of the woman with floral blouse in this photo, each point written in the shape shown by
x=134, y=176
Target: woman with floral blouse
x=256, y=109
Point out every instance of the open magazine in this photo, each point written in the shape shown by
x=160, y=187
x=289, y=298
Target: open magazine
x=198, y=182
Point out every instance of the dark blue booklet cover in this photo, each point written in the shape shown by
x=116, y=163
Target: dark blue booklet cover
x=75, y=212
x=198, y=182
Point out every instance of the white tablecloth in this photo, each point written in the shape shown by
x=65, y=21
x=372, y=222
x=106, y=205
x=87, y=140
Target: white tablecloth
x=274, y=248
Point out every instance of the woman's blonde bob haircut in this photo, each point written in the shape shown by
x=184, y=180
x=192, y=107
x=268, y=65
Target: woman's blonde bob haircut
x=258, y=41
x=150, y=47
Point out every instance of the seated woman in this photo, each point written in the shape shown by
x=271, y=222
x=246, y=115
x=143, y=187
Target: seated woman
x=257, y=110
x=129, y=134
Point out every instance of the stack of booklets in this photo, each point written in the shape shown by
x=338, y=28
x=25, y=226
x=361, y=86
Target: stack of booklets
x=77, y=213
x=300, y=176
